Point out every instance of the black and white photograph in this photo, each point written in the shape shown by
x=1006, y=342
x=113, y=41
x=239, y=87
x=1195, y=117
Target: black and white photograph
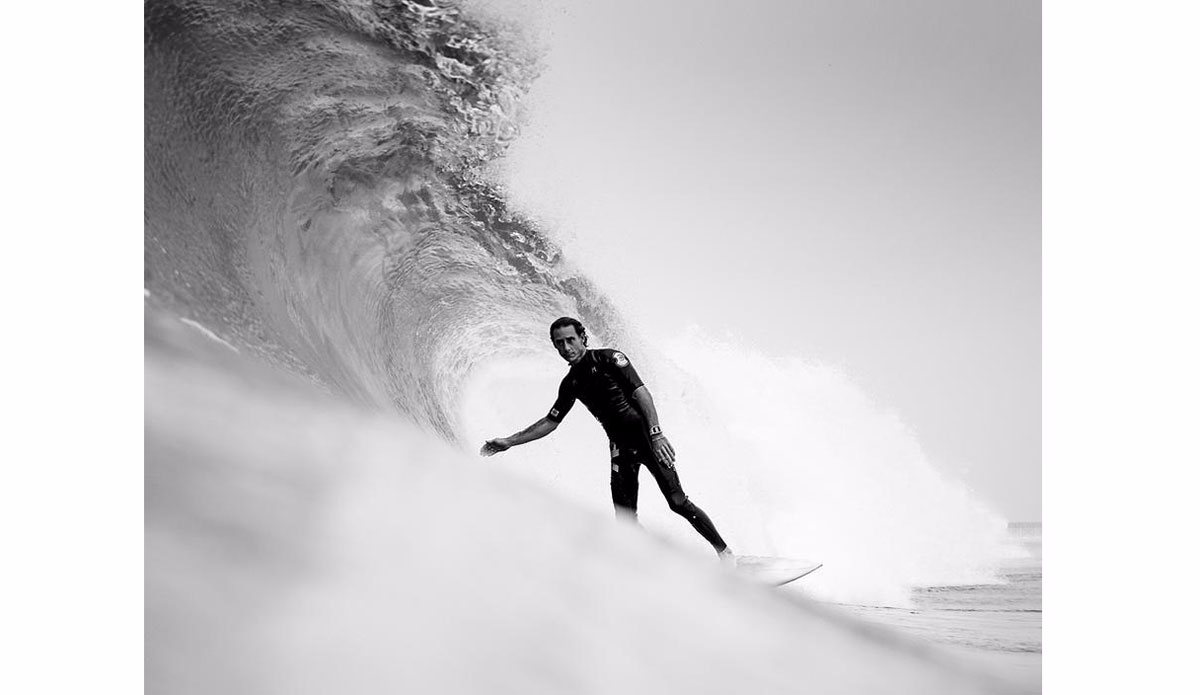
x=555, y=346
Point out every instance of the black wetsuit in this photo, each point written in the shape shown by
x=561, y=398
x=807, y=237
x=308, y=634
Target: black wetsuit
x=605, y=381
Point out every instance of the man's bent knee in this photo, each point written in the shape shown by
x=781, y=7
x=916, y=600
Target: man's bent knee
x=680, y=504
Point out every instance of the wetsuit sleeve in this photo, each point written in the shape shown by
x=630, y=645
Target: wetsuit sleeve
x=622, y=369
x=566, y=399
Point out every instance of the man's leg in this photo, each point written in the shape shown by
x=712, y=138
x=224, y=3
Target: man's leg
x=624, y=483
x=668, y=482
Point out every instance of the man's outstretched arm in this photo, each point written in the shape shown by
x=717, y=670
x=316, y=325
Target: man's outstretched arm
x=537, y=430
x=663, y=450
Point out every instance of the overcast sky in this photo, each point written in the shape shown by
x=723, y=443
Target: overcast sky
x=854, y=182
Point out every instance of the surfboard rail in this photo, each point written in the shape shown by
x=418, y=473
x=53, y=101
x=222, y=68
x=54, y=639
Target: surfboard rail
x=775, y=570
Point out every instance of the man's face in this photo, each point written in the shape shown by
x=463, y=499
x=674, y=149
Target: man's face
x=568, y=343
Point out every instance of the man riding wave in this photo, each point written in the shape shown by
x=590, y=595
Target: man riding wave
x=609, y=387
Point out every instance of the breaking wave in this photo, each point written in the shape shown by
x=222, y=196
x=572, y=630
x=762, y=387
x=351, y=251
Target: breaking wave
x=317, y=195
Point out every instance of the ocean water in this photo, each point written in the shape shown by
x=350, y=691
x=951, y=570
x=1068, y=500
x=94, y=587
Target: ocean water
x=341, y=306
x=997, y=624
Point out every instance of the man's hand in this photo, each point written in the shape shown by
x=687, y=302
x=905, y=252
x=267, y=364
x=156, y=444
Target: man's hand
x=495, y=446
x=663, y=451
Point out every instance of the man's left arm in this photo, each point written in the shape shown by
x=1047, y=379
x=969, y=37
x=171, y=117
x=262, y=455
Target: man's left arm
x=663, y=450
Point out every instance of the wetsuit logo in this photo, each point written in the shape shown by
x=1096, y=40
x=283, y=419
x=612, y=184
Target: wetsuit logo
x=620, y=360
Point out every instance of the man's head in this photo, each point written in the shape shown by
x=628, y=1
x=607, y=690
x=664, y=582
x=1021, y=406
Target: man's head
x=569, y=338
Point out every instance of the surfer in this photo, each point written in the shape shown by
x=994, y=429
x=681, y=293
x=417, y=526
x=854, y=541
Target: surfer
x=610, y=388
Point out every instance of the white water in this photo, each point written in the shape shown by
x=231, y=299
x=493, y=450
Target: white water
x=788, y=458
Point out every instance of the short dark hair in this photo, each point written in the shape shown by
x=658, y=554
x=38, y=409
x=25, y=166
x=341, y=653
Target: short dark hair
x=568, y=321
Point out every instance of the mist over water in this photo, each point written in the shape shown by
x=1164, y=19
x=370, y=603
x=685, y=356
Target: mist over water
x=833, y=475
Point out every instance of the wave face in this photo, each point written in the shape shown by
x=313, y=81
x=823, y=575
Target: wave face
x=317, y=196
x=313, y=193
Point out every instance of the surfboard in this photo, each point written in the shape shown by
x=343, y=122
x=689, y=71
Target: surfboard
x=775, y=570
